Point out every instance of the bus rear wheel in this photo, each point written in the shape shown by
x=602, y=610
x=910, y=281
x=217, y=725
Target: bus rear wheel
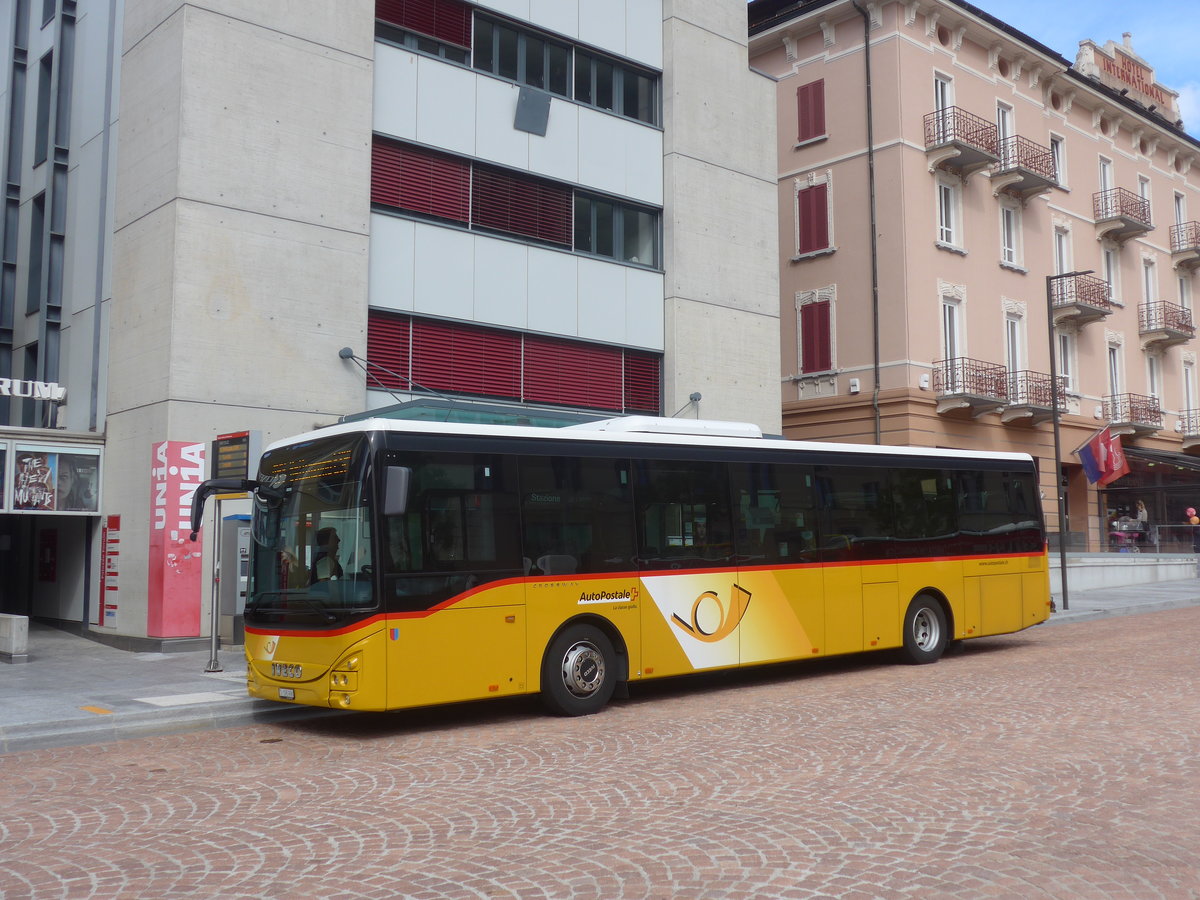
x=578, y=671
x=925, y=631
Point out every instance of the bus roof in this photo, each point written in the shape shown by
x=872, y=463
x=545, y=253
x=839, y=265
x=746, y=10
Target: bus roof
x=640, y=430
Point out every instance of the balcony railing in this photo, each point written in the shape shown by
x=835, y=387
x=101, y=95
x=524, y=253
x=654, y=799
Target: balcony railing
x=1185, y=244
x=1164, y=324
x=1081, y=298
x=1133, y=413
x=1031, y=397
x=962, y=383
x=1120, y=214
x=1189, y=423
x=959, y=141
x=1024, y=168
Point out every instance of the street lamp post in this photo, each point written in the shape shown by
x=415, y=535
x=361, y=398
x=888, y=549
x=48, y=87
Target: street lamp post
x=1059, y=482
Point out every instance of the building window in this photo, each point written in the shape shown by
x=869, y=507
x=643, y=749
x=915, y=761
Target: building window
x=1153, y=375
x=521, y=56
x=1106, y=177
x=1189, y=386
x=41, y=137
x=812, y=216
x=37, y=243
x=1111, y=261
x=1014, y=342
x=949, y=197
x=418, y=354
x=1010, y=234
x=810, y=110
x=1062, y=251
x=1185, y=292
x=1058, y=151
x=515, y=203
x=951, y=328
x=1180, y=208
x=1004, y=122
x=813, y=311
x=438, y=27
x=1114, y=369
x=1149, y=281
x=1144, y=188
x=616, y=230
x=609, y=85
x=1066, y=359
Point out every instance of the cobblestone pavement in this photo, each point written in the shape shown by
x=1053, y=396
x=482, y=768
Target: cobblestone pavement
x=1060, y=762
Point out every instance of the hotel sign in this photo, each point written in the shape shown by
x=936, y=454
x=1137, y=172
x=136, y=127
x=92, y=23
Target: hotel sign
x=34, y=390
x=1118, y=67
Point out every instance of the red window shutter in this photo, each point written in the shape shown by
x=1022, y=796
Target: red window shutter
x=387, y=346
x=815, y=340
x=814, y=218
x=643, y=382
x=518, y=204
x=467, y=359
x=419, y=180
x=572, y=373
x=445, y=20
x=810, y=108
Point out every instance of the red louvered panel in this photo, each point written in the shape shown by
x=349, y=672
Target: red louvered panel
x=810, y=109
x=387, y=346
x=814, y=218
x=815, y=344
x=572, y=373
x=418, y=180
x=445, y=20
x=466, y=358
x=643, y=387
x=518, y=204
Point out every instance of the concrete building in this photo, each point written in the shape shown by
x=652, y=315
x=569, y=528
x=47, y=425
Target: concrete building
x=942, y=180
x=227, y=217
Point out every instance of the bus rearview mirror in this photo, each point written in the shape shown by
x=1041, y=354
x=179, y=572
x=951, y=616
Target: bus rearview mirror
x=395, y=494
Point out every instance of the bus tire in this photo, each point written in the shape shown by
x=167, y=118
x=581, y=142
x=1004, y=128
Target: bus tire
x=579, y=671
x=925, y=631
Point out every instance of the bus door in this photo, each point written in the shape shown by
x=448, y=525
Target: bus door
x=453, y=581
x=693, y=604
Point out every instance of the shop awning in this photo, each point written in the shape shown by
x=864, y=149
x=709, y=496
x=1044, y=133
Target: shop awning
x=1163, y=457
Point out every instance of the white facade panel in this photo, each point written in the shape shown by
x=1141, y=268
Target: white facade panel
x=393, y=249
x=644, y=309
x=557, y=154
x=602, y=162
x=643, y=165
x=553, y=292
x=497, y=140
x=442, y=284
x=445, y=103
x=501, y=282
x=601, y=310
x=395, y=107
x=643, y=32
x=602, y=24
x=517, y=9
x=558, y=16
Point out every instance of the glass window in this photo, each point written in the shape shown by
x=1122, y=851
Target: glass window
x=559, y=61
x=506, y=53
x=854, y=508
x=998, y=503
x=923, y=504
x=535, y=62
x=775, y=510
x=611, y=229
x=639, y=236
x=605, y=91
x=583, y=77
x=484, y=36
x=577, y=515
x=683, y=514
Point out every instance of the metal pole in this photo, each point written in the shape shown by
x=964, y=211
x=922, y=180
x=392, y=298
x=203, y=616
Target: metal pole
x=214, y=663
x=1059, y=486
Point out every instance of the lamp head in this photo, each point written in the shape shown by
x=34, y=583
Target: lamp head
x=346, y=353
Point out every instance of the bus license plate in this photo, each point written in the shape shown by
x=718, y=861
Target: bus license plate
x=287, y=693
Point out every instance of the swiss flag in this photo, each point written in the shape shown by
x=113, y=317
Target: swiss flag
x=1103, y=458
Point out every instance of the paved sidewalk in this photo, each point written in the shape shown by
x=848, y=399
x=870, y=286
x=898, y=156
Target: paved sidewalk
x=77, y=691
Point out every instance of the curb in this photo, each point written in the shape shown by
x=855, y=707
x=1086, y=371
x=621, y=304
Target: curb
x=1084, y=615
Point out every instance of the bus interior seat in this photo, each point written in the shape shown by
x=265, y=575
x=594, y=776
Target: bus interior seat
x=557, y=564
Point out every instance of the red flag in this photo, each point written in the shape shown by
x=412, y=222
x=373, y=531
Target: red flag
x=1113, y=463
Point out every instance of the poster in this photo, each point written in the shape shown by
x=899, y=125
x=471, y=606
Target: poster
x=175, y=582
x=50, y=481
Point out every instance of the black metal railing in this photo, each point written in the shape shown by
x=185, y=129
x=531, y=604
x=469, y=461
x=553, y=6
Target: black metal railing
x=952, y=124
x=1017, y=152
x=961, y=375
x=1137, y=409
x=1185, y=236
x=1086, y=290
x=1120, y=203
x=1029, y=388
x=1189, y=422
x=1162, y=316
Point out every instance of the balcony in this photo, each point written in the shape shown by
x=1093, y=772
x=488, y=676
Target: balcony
x=1079, y=299
x=1120, y=214
x=1189, y=424
x=1134, y=414
x=1162, y=324
x=1025, y=169
x=959, y=141
x=969, y=384
x=1185, y=245
x=1030, y=399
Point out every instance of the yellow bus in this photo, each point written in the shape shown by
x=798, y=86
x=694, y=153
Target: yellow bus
x=400, y=564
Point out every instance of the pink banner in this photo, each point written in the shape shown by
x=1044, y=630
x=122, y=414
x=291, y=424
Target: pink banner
x=173, y=598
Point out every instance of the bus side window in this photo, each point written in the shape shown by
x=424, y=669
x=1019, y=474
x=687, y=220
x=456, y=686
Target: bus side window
x=774, y=512
x=683, y=514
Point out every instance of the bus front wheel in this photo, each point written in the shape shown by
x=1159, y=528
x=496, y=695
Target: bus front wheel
x=579, y=671
x=925, y=631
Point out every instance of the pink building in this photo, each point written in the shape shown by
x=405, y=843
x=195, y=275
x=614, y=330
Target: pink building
x=937, y=196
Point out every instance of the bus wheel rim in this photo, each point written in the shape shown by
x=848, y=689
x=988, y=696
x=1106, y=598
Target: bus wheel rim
x=583, y=669
x=925, y=629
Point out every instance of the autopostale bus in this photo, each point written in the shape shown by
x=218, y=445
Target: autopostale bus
x=401, y=564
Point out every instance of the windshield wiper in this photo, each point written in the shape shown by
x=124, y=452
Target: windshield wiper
x=256, y=606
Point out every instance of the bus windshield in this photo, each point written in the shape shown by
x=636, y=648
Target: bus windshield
x=311, y=559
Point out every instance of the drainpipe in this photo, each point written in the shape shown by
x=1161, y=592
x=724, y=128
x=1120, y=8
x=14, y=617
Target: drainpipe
x=866, y=17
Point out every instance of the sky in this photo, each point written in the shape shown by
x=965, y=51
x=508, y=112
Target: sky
x=1163, y=33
